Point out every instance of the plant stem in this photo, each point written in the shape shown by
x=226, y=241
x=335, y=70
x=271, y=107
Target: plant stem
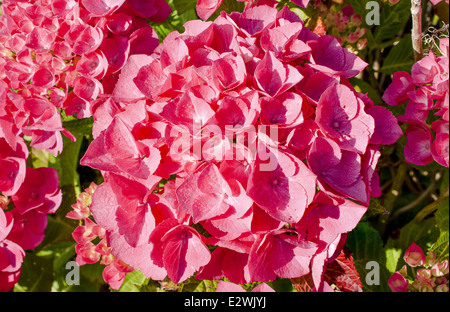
x=416, y=11
x=392, y=196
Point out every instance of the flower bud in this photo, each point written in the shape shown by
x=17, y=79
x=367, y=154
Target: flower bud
x=423, y=275
x=430, y=259
x=414, y=256
x=442, y=288
x=398, y=283
x=404, y=271
x=440, y=280
x=426, y=287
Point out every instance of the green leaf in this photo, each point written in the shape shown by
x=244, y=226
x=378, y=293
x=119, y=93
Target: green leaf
x=194, y=285
x=441, y=216
x=393, y=19
x=441, y=246
x=400, y=58
x=392, y=257
x=183, y=6
x=366, y=245
x=422, y=234
x=364, y=87
x=133, y=281
x=36, y=275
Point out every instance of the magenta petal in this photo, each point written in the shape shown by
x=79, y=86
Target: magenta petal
x=397, y=92
x=340, y=114
x=440, y=149
x=418, y=145
x=338, y=168
x=329, y=56
x=387, y=131
x=273, y=77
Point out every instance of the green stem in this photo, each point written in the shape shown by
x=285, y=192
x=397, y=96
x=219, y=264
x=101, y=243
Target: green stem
x=392, y=196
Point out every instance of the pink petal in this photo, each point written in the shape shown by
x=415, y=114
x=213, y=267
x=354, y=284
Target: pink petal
x=397, y=92
x=206, y=8
x=387, y=131
x=418, y=146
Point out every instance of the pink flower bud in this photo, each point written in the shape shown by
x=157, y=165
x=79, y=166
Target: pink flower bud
x=430, y=259
x=442, y=288
x=398, y=283
x=424, y=276
x=440, y=280
x=426, y=287
x=414, y=256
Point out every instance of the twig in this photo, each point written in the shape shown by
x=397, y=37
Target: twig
x=392, y=195
x=414, y=203
x=416, y=11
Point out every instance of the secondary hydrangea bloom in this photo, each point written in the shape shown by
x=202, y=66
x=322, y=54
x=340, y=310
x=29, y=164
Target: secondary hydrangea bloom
x=340, y=21
x=426, y=94
x=242, y=135
x=429, y=273
x=89, y=252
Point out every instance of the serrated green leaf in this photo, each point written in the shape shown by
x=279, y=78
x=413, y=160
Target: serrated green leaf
x=441, y=246
x=366, y=245
x=400, y=58
x=393, y=19
x=133, y=282
x=442, y=216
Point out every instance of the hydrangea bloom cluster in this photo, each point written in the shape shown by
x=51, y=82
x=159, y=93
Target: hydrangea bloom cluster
x=429, y=274
x=53, y=54
x=23, y=211
x=237, y=149
x=426, y=94
x=206, y=8
x=91, y=245
x=341, y=22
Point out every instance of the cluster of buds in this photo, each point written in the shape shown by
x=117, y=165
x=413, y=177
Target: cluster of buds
x=91, y=244
x=429, y=274
x=341, y=22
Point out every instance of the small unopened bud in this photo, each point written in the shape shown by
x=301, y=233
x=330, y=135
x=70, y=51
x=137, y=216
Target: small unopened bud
x=430, y=259
x=426, y=287
x=442, y=288
x=398, y=283
x=424, y=275
x=404, y=271
x=414, y=256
